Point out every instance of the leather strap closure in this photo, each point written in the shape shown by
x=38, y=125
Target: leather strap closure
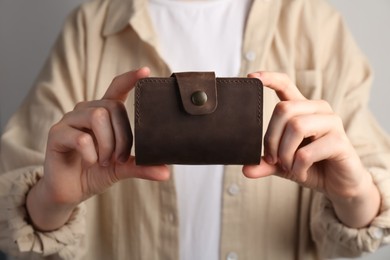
x=198, y=92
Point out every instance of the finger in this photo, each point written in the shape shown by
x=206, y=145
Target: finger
x=64, y=139
x=264, y=169
x=122, y=140
x=97, y=122
x=301, y=128
x=120, y=125
x=281, y=83
x=328, y=147
x=282, y=113
x=131, y=170
x=122, y=84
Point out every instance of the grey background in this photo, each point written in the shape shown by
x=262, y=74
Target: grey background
x=29, y=28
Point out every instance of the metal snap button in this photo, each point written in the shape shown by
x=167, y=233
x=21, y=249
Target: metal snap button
x=199, y=98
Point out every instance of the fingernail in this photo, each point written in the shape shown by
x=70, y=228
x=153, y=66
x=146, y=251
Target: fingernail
x=105, y=163
x=254, y=75
x=269, y=159
x=144, y=68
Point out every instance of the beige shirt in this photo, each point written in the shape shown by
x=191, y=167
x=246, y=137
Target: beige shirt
x=269, y=218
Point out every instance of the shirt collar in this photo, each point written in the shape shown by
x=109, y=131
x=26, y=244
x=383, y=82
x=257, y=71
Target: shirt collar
x=119, y=15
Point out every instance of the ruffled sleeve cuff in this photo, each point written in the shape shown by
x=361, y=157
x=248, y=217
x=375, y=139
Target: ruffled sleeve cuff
x=18, y=236
x=334, y=239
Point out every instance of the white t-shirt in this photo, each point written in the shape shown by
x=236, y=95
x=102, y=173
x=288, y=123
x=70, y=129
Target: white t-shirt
x=200, y=35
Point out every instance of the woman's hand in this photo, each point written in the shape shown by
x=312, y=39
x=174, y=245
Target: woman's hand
x=87, y=152
x=306, y=142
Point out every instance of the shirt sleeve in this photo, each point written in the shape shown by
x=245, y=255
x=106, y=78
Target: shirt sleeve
x=346, y=84
x=337, y=240
x=58, y=88
x=18, y=236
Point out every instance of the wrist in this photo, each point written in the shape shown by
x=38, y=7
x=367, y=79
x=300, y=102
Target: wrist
x=358, y=209
x=45, y=212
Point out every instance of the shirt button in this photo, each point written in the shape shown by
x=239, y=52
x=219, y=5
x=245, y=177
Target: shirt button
x=234, y=189
x=232, y=256
x=250, y=55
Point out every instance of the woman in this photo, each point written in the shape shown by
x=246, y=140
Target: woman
x=332, y=199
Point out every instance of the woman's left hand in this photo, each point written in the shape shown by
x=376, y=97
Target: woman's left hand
x=306, y=142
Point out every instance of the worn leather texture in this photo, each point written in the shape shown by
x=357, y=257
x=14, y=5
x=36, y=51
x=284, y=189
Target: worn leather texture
x=171, y=129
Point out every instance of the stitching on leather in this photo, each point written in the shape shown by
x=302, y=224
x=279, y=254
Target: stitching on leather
x=156, y=80
x=221, y=80
x=138, y=96
x=137, y=104
x=246, y=82
x=259, y=106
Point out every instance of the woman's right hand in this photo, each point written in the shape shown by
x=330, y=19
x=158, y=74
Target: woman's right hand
x=88, y=151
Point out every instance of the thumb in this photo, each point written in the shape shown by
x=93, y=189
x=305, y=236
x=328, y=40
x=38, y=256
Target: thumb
x=131, y=170
x=264, y=169
x=280, y=83
x=122, y=84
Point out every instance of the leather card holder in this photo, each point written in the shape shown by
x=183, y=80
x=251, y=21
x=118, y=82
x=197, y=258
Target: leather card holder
x=196, y=118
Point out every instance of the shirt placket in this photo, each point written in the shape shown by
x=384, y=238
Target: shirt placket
x=259, y=31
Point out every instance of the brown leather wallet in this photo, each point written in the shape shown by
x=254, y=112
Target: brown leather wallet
x=196, y=118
